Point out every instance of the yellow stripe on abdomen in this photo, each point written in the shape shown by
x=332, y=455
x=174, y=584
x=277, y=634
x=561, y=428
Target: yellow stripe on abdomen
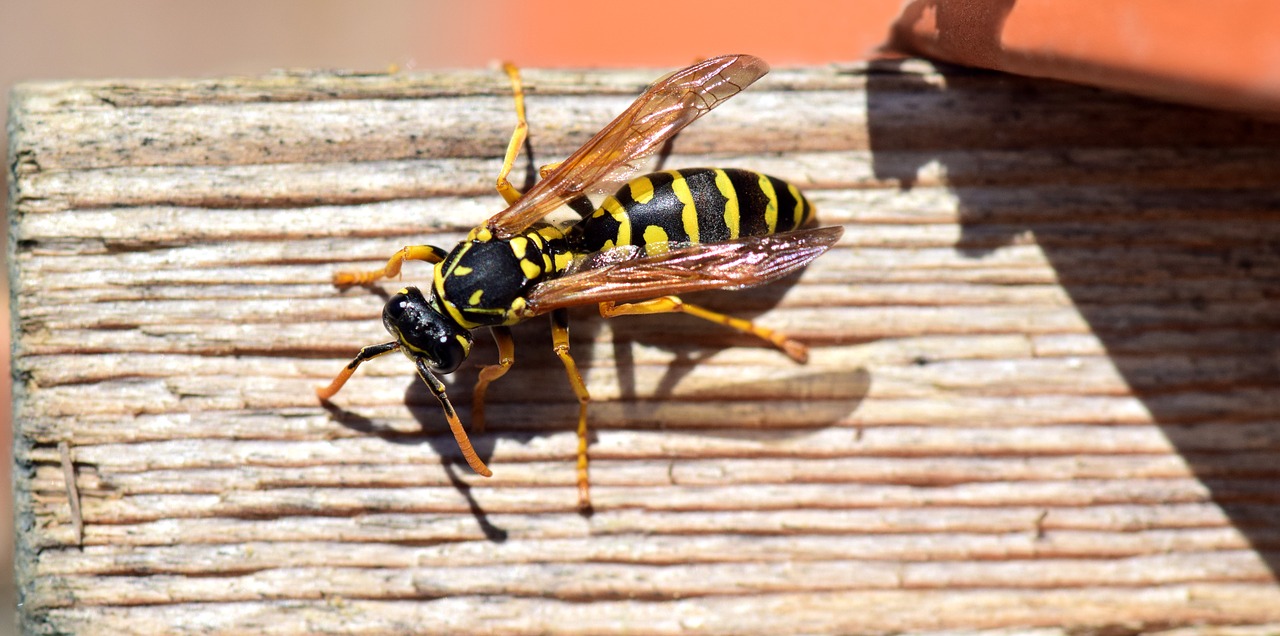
x=642, y=190
x=799, y=213
x=732, y=218
x=619, y=214
x=770, y=208
x=689, y=215
x=655, y=234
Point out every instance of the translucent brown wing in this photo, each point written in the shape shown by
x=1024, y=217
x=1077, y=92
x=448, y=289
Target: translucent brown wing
x=669, y=105
x=742, y=263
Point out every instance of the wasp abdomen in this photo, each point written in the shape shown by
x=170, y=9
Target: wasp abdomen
x=698, y=205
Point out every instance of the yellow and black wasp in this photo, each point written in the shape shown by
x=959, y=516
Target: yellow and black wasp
x=658, y=235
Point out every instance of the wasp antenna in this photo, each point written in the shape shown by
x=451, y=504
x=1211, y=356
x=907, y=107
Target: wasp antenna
x=367, y=353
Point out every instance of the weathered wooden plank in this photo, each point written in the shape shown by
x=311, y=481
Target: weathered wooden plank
x=1042, y=395
x=920, y=472
x=876, y=611
x=659, y=582
x=206, y=559
x=439, y=526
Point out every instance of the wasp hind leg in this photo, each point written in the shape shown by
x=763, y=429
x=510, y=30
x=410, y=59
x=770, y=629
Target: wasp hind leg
x=491, y=372
x=671, y=304
x=560, y=341
x=427, y=253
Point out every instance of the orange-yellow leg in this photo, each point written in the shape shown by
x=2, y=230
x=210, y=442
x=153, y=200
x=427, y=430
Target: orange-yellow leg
x=367, y=353
x=669, y=304
x=428, y=253
x=489, y=373
x=509, y=192
x=455, y=425
x=521, y=133
x=433, y=383
x=560, y=342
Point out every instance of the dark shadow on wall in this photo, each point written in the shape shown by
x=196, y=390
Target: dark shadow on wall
x=1161, y=222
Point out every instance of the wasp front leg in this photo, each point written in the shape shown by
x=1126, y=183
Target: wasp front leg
x=560, y=341
x=545, y=171
x=489, y=373
x=518, y=137
x=509, y=192
x=671, y=304
x=426, y=253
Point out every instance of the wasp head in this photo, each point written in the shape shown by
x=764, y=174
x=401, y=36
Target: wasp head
x=424, y=332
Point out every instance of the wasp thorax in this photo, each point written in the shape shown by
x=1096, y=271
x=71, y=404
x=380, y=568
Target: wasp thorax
x=424, y=332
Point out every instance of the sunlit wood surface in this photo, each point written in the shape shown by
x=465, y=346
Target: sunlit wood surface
x=1044, y=389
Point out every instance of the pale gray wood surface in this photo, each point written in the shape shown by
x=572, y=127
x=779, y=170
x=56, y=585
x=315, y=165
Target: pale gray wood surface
x=1044, y=390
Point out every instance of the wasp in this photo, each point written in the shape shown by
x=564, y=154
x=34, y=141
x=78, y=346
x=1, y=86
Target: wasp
x=656, y=237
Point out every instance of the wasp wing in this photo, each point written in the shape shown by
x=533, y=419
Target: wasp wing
x=733, y=264
x=669, y=105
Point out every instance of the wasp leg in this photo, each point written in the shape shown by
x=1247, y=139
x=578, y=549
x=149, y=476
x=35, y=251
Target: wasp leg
x=668, y=304
x=428, y=253
x=489, y=373
x=560, y=340
x=367, y=353
x=509, y=192
x=455, y=425
x=548, y=169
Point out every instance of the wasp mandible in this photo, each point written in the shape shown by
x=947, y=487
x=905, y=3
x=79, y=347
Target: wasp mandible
x=655, y=237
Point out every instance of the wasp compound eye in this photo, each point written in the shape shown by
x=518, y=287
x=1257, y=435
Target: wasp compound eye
x=423, y=332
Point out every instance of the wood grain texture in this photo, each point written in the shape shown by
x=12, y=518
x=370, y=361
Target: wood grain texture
x=1044, y=390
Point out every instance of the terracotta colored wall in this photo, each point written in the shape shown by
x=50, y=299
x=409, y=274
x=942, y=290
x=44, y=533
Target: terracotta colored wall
x=1216, y=54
